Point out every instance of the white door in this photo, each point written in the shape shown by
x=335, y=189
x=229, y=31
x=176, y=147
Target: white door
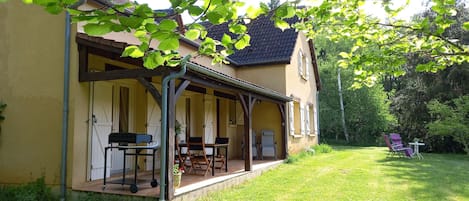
x=208, y=123
x=101, y=127
x=123, y=109
x=153, y=127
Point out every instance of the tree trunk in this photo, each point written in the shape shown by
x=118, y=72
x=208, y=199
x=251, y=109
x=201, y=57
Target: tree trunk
x=342, y=106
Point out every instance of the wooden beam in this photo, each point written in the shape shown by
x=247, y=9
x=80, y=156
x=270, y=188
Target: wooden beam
x=196, y=89
x=224, y=95
x=243, y=104
x=182, y=86
x=151, y=89
x=115, y=56
x=119, y=74
x=82, y=62
x=209, y=83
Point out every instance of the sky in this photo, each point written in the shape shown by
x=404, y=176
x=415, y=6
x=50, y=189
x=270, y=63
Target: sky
x=414, y=7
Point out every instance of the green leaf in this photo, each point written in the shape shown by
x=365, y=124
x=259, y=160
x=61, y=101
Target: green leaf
x=140, y=33
x=465, y=26
x=161, y=35
x=237, y=28
x=73, y=11
x=344, y=55
x=151, y=27
x=153, y=60
x=242, y=42
x=24, y=1
x=253, y=12
x=171, y=43
x=195, y=10
x=97, y=29
x=132, y=51
x=175, y=3
x=143, y=11
x=144, y=46
x=168, y=25
x=192, y=34
x=54, y=9
x=226, y=40
x=214, y=18
x=281, y=24
x=132, y=22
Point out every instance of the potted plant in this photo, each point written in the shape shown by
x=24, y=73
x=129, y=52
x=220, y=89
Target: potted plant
x=177, y=130
x=177, y=173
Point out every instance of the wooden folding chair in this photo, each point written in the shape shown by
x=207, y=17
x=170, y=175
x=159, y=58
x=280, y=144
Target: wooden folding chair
x=197, y=155
x=220, y=158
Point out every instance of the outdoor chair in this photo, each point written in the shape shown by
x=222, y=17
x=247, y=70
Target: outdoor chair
x=197, y=155
x=181, y=156
x=268, y=144
x=395, y=145
x=396, y=141
x=220, y=158
x=254, y=145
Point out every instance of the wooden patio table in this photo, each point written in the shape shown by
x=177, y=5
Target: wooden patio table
x=214, y=147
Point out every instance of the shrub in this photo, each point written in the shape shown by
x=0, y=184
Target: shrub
x=323, y=148
x=33, y=191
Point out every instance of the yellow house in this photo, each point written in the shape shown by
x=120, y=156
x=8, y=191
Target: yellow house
x=67, y=92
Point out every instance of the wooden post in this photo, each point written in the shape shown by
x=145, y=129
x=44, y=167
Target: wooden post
x=283, y=123
x=247, y=102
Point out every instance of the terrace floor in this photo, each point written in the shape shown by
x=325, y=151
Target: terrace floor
x=190, y=183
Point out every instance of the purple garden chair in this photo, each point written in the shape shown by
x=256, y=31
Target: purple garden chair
x=396, y=143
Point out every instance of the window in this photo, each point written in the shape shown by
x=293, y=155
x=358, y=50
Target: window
x=296, y=119
x=303, y=65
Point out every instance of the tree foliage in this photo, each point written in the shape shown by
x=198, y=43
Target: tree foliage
x=391, y=40
x=411, y=93
x=451, y=119
x=366, y=109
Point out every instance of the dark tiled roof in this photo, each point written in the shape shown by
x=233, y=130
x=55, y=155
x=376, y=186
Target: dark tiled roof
x=269, y=44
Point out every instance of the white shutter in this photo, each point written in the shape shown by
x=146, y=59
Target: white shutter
x=300, y=62
x=291, y=117
x=307, y=121
x=302, y=120
x=307, y=68
x=316, y=121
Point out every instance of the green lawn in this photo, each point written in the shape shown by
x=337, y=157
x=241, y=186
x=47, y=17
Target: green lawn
x=359, y=173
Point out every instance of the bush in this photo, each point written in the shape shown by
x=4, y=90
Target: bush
x=33, y=191
x=294, y=158
x=322, y=148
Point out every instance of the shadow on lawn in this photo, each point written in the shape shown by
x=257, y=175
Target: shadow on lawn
x=437, y=177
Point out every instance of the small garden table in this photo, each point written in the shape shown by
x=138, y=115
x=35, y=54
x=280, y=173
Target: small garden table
x=416, y=149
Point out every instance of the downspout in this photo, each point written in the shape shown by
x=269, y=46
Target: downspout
x=317, y=115
x=65, y=99
x=65, y=109
x=164, y=122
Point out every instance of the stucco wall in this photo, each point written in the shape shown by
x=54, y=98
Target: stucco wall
x=302, y=90
x=270, y=76
x=266, y=115
x=31, y=80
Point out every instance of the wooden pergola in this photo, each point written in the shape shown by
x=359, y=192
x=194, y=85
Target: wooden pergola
x=197, y=79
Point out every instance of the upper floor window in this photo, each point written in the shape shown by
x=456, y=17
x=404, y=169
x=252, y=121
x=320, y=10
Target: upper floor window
x=303, y=65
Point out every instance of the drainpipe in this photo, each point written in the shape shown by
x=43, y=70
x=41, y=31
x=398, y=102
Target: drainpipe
x=317, y=115
x=164, y=122
x=65, y=99
x=65, y=109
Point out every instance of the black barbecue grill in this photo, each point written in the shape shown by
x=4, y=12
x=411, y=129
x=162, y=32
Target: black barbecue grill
x=131, y=141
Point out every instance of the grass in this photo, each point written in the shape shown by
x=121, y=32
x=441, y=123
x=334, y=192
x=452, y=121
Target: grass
x=358, y=173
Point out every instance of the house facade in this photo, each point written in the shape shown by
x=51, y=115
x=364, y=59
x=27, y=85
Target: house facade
x=271, y=85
